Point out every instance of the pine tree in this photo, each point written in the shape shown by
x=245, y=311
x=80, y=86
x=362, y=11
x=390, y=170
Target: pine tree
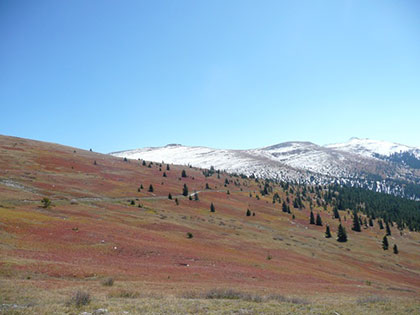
x=385, y=243
x=185, y=190
x=318, y=220
x=212, y=209
x=196, y=197
x=167, y=167
x=144, y=163
x=312, y=219
x=388, y=230
x=336, y=213
x=341, y=234
x=284, y=207
x=381, y=226
x=395, y=249
x=356, y=223
x=151, y=188
x=164, y=174
x=248, y=213
x=370, y=222
x=327, y=232
x=170, y=196
x=183, y=173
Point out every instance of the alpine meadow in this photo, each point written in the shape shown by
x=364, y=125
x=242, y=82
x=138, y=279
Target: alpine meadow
x=209, y=157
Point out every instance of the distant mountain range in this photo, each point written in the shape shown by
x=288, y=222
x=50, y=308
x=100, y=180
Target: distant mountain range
x=376, y=165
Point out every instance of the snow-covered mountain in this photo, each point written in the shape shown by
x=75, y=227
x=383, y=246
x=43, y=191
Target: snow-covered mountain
x=378, y=165
x=373, y=148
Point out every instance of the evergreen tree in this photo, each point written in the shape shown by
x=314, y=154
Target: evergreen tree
x=151, y=188
x=164, y=174
x=356, y=223
x=144, y=163
x=212, y=209
x=176, y=201
x=141, y=186
x=312, y=219
x=248, y=213
x=183, y=173
x=167, y=167
x=284, y=207
x=196, y=197
x=336, y=213
x=388, y=230
x=381, y=226
x=185, y=190
x=370, y=222
x=327, y=232
x=318, y=220
x=341, y=234
x=395, y=249
x=170, y=196
x=207, y=186
x=385, y=243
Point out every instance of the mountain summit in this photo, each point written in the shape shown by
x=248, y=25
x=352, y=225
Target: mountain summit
x=377, y=165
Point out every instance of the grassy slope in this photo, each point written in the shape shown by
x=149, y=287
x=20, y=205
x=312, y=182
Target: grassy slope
x=92, y=231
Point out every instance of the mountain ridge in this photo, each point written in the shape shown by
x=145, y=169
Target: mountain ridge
x=371, y=164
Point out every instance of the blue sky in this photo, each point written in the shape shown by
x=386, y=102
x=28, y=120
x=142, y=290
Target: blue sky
x=114, y=75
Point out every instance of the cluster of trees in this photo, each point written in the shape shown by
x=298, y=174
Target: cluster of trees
x=404, y=212
x=341, y=233
x=386, y=209
x=312, y=220
x=385, y=245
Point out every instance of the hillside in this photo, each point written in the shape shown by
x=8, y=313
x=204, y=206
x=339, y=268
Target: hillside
x=375, y=165
x=111, y=217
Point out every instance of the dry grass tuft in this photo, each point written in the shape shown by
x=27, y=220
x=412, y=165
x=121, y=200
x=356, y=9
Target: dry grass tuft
x=372, y=299
x=108, y=282
x=122, y=293
x=79, y=299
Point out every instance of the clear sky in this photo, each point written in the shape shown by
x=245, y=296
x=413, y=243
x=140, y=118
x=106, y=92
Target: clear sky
x=115, y=75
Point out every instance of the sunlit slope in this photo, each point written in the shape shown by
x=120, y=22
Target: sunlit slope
x=102, y=223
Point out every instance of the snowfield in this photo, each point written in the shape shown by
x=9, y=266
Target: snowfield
x=302, y=162
x=370, y=148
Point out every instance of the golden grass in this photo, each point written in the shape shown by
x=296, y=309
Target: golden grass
x=33, y=298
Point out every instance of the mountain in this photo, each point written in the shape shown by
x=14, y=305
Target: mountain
x=374, y=148
x=376, y=165
x=72, y=221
